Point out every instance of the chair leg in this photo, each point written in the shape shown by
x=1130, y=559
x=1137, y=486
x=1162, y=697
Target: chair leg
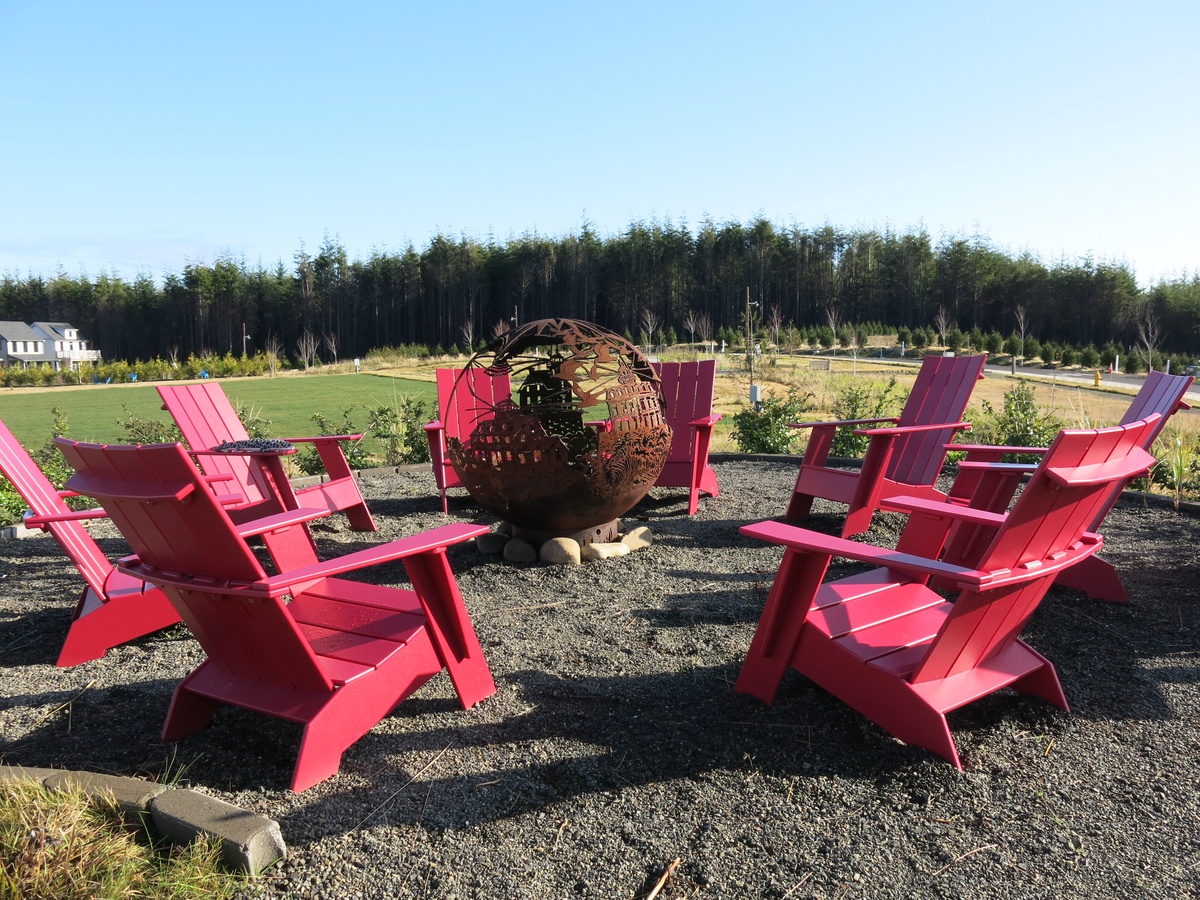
x=122, y=618
x=1095, y=577
x=781, y=624
x=1043, y=682
x=799, y=507
x=360, y=518
x=453, y=636
x=344, y=495
x=189, y=713
x=883, y=697
x=356, y=708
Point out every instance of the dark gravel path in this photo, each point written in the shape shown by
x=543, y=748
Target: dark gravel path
x=616, y=745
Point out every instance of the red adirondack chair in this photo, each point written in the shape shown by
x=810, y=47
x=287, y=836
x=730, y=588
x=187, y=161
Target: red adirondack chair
x=984, y=483
x=478, y=394
x=891, y=647
x=114, y=607
x=687, y=398
x=904, y=459
x=303, y=645
x=207, y=418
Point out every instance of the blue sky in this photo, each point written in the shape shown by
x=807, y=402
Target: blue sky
x=138, y=136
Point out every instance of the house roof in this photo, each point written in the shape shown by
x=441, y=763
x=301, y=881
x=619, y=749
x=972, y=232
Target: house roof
x=57, y=330
x=19, y=331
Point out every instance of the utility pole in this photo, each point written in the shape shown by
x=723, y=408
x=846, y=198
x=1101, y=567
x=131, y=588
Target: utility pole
x=749, y=338
x=754, y=392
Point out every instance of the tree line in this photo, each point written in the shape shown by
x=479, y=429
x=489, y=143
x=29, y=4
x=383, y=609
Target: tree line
x=458, y=292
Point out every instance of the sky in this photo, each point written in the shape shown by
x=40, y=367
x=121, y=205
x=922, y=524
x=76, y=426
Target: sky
x=138, y=137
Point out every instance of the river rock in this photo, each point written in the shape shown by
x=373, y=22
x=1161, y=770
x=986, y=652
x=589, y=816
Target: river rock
x=638, y=538
x=602, y=551
x=560, y=551
x=517, y=550
x=492, y=542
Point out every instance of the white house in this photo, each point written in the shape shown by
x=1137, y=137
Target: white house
x=69, y=347
x=20, y=344
x=55, y=343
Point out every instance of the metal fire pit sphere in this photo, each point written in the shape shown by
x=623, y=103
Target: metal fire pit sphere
x=582, y=442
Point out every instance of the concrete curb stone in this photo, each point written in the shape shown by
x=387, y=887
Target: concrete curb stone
x=249, y=842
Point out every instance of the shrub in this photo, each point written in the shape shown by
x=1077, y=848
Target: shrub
x=12, y=504
x=1178, y=468
x=766, y=430
x=861, y=401
x=400, y=430
x=1021, y=423
x=148, y=431
x=309, y=460
x=53, y=465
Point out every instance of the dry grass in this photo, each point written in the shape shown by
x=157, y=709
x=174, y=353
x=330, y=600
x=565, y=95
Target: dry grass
x=61, y=845
x=1075, y=404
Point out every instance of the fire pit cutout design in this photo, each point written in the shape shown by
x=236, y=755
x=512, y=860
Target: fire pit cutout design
x=584, y=440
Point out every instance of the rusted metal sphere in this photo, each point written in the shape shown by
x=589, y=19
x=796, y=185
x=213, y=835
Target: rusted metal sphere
x=583, y=437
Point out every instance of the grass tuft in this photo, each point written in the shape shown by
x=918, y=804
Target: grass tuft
x=63, y=845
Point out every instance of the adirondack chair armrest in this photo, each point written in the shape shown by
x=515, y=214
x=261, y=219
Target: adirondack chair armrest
x=840, y=423
x=706, y=421
x=968, y=465
x=434, y=426
x=971, y=579
x=1129, y=466
x=795, y=538
x=906, y=504
x=324, y=439
x=434, y=539
x=277, y=521
x=974, y=451
x=66, y=495
x=912, y=429
x=32, y=521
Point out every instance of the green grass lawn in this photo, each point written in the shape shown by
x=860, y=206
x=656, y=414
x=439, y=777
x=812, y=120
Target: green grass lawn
x=94, y=412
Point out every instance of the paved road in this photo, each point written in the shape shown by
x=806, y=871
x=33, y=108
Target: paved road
x=1130, y=383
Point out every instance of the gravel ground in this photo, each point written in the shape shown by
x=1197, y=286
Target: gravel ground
x=615, y=748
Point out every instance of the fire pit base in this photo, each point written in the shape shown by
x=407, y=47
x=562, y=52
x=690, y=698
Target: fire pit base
x=596, y=534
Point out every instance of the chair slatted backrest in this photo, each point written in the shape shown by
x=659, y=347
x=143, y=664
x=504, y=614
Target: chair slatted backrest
x=44, y=500
x=1162, y=394
x=687, y=394
x=1048, y=521
x=206, y=418
x=940, y=394
x=469, y=396
x=174, y=524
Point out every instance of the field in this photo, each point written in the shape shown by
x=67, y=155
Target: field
x=289, y=401
x=95, y=413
